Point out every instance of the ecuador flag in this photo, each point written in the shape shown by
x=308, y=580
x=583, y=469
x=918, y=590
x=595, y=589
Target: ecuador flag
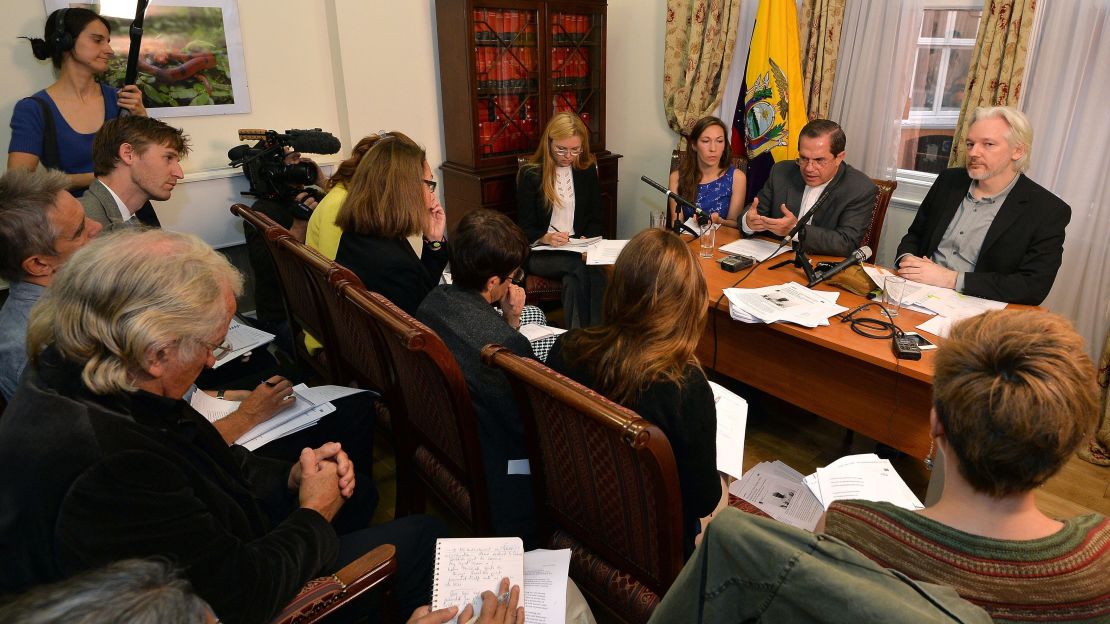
x=770, y=111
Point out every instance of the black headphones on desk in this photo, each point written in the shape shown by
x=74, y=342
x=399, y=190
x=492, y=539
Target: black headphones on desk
x=60, y=39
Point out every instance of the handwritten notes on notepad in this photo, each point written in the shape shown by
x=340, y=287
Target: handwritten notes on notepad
x=466, y=567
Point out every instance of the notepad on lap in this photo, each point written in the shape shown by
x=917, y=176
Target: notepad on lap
x=466, y=567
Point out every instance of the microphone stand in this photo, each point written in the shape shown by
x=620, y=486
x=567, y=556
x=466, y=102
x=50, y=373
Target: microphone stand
x=801, y=260
x=678, y=226
x=136, y=33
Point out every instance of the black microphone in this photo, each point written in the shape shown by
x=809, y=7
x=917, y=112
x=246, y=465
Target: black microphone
x=238, y=153
x=858, y=255
x=313, y=141
x=678, y=226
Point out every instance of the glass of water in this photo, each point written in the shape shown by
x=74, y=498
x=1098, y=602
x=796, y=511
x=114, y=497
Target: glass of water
x=708, y=239
x=894, y=288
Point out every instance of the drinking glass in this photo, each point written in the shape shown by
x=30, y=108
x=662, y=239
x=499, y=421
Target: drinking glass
x=658, y=221
x=894, y=288
x=708, y=240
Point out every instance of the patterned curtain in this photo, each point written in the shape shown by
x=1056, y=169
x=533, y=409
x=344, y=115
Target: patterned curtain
x=701, y=35
x=1001, y=49
x=1098, y=452
x=821, y=21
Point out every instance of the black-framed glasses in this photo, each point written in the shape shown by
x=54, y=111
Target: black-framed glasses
x=431, y=185
x=517, y=276
x=218, y=350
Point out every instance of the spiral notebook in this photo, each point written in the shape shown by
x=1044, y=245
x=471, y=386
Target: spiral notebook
x=466, y=567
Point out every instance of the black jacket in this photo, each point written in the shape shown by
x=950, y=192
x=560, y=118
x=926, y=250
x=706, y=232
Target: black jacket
x=390, y=267
x=466, y=324
x=94, y=479
x=1023, y=247
x=534, y=214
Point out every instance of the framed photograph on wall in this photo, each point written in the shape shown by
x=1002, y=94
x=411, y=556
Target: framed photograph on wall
x=190, y=60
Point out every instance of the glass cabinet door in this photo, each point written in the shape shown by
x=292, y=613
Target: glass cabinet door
x=575, y=81
x=506, y=58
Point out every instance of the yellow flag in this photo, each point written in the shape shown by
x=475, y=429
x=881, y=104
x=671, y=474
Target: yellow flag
x=774, y=108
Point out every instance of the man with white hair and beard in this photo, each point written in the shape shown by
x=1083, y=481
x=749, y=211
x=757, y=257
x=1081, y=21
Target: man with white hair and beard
x=988, y=230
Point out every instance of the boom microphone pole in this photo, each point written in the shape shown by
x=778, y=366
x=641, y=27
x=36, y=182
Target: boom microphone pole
x=136, y=32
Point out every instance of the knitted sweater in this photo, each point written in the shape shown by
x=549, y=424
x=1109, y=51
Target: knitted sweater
x=1064, y=577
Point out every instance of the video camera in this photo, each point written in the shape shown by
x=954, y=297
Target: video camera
x=264, y=163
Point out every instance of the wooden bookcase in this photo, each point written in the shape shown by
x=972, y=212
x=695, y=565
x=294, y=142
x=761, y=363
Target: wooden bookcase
x=506, y=66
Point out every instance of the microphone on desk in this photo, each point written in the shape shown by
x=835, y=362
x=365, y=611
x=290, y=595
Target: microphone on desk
x=858, y=255
x=679, y=226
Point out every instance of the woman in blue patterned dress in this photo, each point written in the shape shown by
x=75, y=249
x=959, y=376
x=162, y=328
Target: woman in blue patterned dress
x=706, y=176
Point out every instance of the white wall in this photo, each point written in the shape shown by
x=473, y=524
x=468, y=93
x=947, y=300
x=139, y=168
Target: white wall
x=387, y=57
x=636, y=125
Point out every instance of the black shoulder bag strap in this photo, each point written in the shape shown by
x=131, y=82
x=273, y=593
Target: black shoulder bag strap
x=50, y=158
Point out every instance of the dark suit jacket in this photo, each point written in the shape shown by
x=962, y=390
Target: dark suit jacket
x=838, y=227
x=534, y=215
x=1023, y=247
x=466, y=324
x=390, y=267
x=101, y=207
x=94, y=479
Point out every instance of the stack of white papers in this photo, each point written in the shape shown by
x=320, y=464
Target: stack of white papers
x=604, y=252
x=777, y=490
x=577, y=245
x=243, y=339
x=732, y=424
x=864, y=477
x=310, y=405
x=790, y=302
x=756, y=248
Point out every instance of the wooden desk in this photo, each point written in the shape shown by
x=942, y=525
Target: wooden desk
x=830, y=371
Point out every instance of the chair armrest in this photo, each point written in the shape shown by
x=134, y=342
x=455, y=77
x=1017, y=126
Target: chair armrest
x=322, y=596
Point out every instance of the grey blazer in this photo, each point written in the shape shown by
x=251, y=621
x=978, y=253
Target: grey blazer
x=840, y=224
x=101, y=207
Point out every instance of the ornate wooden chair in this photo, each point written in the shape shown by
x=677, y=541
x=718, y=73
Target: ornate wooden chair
x=302, y=302
x=359, y=353
x=323, y=596
x=878, y=214
x=605, y=486
x=434, y=424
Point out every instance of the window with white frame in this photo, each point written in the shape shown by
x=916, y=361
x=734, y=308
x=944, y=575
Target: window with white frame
x=943, y=60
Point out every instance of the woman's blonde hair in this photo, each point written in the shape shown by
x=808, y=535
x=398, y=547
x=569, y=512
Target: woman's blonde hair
x=386, y=195
x=127, y=293
x=655, y=281
x=562, y=126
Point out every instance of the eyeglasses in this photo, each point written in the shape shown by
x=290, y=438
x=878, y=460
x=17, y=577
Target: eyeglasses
x=218, y=350
x=563, y=151
x=431, y=185
x=517, y=276
x=816, y=162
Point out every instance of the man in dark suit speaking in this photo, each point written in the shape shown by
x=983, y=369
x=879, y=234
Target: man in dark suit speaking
x=988, y=230
x=794, y=188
